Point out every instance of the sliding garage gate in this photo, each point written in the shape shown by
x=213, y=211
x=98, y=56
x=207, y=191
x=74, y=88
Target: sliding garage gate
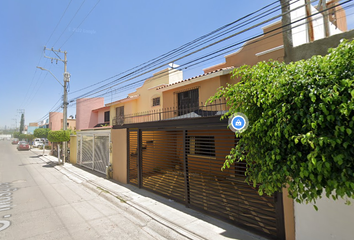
x=93, y=150
x=184, y=165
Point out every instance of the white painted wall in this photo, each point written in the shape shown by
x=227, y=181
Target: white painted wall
x=333, y=220
x=300, y=28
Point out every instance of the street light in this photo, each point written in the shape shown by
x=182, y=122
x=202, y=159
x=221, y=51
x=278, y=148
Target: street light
x=65, y=102
x=50, y=73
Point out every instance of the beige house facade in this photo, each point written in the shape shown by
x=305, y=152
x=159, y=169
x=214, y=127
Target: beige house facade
x=164, y=138
x=145, y=99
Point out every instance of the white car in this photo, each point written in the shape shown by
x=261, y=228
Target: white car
x=37, y=142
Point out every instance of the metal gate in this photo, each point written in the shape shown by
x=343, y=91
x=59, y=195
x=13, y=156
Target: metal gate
x=93, y=150
x=184, y=165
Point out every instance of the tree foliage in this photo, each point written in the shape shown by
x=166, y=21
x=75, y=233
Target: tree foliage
x=22, y=123
x=16, y=134
x=301, y=123
x=41, y=132
x=27, y=137
x=59, y=136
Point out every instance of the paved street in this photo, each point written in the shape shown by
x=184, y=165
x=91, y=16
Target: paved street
x=39, y=202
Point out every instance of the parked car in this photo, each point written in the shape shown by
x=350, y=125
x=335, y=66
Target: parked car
x=45, y=141
x=23, y=145
x=37, y=142
x=15, y=141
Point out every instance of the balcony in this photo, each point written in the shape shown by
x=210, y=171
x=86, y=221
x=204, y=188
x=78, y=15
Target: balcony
x=218, y=107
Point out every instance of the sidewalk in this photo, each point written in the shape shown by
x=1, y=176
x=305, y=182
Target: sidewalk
x=171, y=220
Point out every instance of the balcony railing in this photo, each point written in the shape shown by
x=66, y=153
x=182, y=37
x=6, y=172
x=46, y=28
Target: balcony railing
x=218, y=107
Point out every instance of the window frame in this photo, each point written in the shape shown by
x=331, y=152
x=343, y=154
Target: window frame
x=105, y=116
x=154, y=102
x=120, y=115
x=188, y=101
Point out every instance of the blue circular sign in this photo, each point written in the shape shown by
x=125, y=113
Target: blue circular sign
x=238, y=122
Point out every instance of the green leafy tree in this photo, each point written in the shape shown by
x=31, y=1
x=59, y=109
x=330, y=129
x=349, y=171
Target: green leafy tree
x=59, y=136
x=29, y=137
x=26, y=137
x=41, y=132
x=16, y=134
x=301, y=122
x=22, y=123
x=22, y=136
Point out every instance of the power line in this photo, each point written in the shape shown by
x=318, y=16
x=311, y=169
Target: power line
x=195, y=61
x=69, y=22
x=220, y=52
x=189, y=54
x=28, y=89
x=58, y=23
x=176, y=50
x=80, y=23
x=35, y=88
x=42, y=55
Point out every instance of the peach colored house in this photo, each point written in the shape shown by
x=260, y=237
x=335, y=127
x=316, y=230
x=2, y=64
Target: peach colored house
x=146, y=98
x=55, y=121
x=85, y=116
x=103, y=116
x=70, y=124
x=201, y=88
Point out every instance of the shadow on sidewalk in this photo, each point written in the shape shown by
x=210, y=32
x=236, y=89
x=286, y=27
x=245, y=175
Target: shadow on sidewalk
x=50, y=165
x=230, y=231
x=227, y=230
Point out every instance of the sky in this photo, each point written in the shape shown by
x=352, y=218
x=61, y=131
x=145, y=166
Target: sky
x=103, y=38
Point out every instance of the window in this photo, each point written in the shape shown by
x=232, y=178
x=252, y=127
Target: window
x=120, y=111
x=188, y=101
x=106, y=116
x=201, y=145
x=120, y=115
x=156, y=101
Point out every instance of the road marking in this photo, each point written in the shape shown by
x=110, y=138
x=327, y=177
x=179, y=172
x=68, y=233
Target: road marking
x=5, y=224
x=5, y=203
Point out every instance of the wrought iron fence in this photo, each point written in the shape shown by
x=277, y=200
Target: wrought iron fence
x=218, y=107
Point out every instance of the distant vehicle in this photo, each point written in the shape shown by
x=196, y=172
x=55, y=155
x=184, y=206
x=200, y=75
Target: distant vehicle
x=37, y=142
x=23, y=145
x=15, y=141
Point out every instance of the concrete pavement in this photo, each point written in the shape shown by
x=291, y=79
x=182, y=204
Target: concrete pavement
x=169, y=219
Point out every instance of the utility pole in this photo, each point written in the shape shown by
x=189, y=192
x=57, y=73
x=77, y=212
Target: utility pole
x=287, y=34
x=65, y=100
x=15, y=119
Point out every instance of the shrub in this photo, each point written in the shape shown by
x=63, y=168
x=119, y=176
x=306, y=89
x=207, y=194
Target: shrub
x=301, y=121
x=59, y=136
x=41, y=132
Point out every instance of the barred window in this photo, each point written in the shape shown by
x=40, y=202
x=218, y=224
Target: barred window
x=156, y=101
x=188, y=101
